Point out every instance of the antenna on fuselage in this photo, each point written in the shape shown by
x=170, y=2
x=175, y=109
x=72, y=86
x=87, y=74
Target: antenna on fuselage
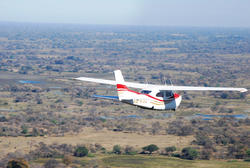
x=165, y=81
x=171, y=85
x=170, y=82
x=146, y=80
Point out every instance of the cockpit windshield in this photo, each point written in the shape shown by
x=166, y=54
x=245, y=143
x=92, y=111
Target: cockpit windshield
x=165, y=93
x=168, y=93
x=146, y=91
x=160, y=94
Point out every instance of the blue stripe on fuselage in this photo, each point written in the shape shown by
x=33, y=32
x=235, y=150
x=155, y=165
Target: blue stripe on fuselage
x=106, y=97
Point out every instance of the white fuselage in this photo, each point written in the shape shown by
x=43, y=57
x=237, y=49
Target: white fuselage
x=152, y=100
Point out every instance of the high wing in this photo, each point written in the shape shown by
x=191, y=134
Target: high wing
x=161, y=87
x=195, y=88
x=103, y=81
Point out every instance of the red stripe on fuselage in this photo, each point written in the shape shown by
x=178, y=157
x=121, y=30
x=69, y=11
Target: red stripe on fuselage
x=121, y=87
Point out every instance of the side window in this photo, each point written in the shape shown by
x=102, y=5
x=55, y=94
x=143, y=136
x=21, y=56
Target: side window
x=145, y=91
x=160, y=94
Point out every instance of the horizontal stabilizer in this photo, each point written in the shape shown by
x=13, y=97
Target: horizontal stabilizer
x=106, y=97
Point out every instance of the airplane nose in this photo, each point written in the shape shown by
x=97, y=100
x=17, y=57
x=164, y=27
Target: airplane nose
x=178, y=100
x=176, y=95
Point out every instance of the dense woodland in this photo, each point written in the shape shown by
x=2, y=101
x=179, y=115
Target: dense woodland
x=51, y=55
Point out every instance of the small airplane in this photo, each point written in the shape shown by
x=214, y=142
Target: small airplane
x=156, y=97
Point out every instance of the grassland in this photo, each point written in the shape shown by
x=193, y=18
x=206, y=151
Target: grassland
x=143, y=161
x=163, y=162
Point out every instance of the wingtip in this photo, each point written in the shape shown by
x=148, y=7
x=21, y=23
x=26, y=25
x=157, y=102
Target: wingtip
x=243, y=90
x=77, y=78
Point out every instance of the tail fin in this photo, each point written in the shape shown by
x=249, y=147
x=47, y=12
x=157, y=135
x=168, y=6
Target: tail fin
x=118, y=77
x=120, y=84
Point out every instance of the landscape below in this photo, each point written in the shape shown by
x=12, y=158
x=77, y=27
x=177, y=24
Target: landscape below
x=48, y=119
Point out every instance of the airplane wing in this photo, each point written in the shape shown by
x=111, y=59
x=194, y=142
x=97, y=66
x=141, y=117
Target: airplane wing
x=162, y=87
x=184, y=88
x=103, y=81
x=113, y=82
x=195, y=88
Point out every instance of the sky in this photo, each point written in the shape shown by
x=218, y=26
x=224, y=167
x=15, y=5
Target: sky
x=202, y=13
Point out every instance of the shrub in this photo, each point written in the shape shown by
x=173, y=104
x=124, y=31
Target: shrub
x=237, y=151
x=156, y=127
x=202, y=139
x=129, y=150
x=179, y=128
x=189, y=153
x=224, y=95
x=103, y=150
x=150, y=148
x=117, y=149
x=79, y=103
x=67, y=159
x=221, y=139
x=81, y=151
x=35, y=132
x=17, y=163
x=176, y=155
x=52, y=163
x=248, y=152
x=24, y=129
x=98, y=147
x=206, y=154
x=170, y=149
x=91, y=155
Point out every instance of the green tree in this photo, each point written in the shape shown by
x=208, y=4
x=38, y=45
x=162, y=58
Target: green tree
x=81, y=151
x=129, y=150
x=150, y=148
x=189, y=153
x=17, y=163
x=117, y=149
x=247, y=158
x=248, y=152
x=224, y=95
x=170, y=149
x=24, y=129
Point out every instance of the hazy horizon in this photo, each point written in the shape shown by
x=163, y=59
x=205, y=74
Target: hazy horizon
x=178, y=13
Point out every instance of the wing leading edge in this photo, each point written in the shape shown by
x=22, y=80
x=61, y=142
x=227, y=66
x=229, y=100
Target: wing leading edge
x=162, y=87
x=103, y=81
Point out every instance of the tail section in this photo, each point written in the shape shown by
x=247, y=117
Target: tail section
x=120, y=84
x=118, y=77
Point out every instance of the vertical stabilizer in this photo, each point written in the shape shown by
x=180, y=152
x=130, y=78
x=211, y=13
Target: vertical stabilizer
x=122, y=89
x=118, y=77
